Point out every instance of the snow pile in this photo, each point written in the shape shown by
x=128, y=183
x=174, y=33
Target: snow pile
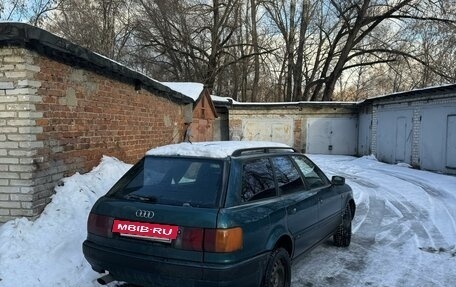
x=210, y=149
x=403, y=164
x=47, y=252
x=223, y=99
x=371, y=157
x=189, y=89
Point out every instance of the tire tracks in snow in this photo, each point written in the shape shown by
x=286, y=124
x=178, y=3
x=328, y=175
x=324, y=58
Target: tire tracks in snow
x=391, y=220
x=398, y=209
x=425, y=223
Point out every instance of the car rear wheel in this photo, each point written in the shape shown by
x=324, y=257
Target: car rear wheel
x=342, y=236
x=278, y=271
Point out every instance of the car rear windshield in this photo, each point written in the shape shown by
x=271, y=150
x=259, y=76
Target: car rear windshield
x=173, y=181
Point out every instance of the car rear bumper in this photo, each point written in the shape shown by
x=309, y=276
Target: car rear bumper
x=153, y=271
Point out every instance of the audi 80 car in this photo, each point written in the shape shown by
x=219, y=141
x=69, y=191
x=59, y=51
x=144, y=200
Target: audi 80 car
x=216, y=214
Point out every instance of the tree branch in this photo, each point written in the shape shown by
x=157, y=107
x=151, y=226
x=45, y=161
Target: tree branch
x=369, y=63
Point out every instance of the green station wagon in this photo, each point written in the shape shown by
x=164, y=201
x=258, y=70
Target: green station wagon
x=216, y=214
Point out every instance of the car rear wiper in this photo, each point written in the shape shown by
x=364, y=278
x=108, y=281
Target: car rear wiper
x=141, y=197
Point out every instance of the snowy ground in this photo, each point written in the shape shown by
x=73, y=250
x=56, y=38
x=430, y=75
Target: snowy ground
x=404, y=231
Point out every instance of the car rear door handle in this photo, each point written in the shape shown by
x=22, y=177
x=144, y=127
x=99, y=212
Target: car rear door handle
x=292, y=211
x=320, y=201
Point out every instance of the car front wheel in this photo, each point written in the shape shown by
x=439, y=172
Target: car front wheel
x=342, y=236
x=278, y=271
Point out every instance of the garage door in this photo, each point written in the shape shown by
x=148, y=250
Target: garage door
x=332, y=136
x=276, y=130
x=394, y=136
x=438, y=138
x=364, y=133
x=451, y=142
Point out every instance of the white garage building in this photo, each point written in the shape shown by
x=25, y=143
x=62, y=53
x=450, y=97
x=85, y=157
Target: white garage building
x=416, y=127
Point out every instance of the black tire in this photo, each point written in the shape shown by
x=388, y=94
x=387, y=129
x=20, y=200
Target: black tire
x=342, y=236
x=278, y=271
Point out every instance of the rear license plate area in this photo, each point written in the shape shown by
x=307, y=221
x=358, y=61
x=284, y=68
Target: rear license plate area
x=145, y=230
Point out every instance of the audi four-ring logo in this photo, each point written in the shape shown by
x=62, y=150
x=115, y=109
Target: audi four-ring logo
x=144, y=213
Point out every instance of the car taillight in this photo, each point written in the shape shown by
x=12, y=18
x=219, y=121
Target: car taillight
x=210, y=240
x=223, y=240
x=190, y=239
x=99, y=224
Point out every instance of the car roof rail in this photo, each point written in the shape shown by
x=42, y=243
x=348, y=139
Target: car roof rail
x=254, y=150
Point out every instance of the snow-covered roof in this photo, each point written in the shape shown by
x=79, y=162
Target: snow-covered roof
x=190, y=89
x=222, y=99
x=215, y=149
x=295, y=103
x=229, y=100
x=433, y=89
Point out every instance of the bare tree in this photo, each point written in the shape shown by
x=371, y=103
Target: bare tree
x=198, y=40
x=104, y=26
x=256, y=49
x=358, y=20
x=188, y=37
x=264, y=50
x=13, y=10
x=284, y=15
x=33, y=11
x=250, y=43
x=421, y=48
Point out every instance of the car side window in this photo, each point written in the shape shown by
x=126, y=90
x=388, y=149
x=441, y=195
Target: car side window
x=257, y=180
x=288, y=178
x=312, y=175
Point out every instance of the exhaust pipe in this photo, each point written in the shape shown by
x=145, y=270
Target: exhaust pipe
x=105, y=279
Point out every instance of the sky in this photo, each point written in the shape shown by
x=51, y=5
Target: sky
x=404, y=231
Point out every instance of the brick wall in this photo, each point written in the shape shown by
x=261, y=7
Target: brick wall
x=374, y=130
x=56, y=120
x=416, y=134
x=18, y=132
x=204, y=114
x=297, y=134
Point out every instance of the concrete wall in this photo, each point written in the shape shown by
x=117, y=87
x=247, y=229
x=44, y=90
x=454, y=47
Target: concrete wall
x=56, y=120
x=221, y=127
x=257, y=123
x=298, y=125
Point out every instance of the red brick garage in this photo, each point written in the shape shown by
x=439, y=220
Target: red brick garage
x=62, y=107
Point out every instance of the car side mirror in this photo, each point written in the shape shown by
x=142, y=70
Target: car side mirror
x=338, y=180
